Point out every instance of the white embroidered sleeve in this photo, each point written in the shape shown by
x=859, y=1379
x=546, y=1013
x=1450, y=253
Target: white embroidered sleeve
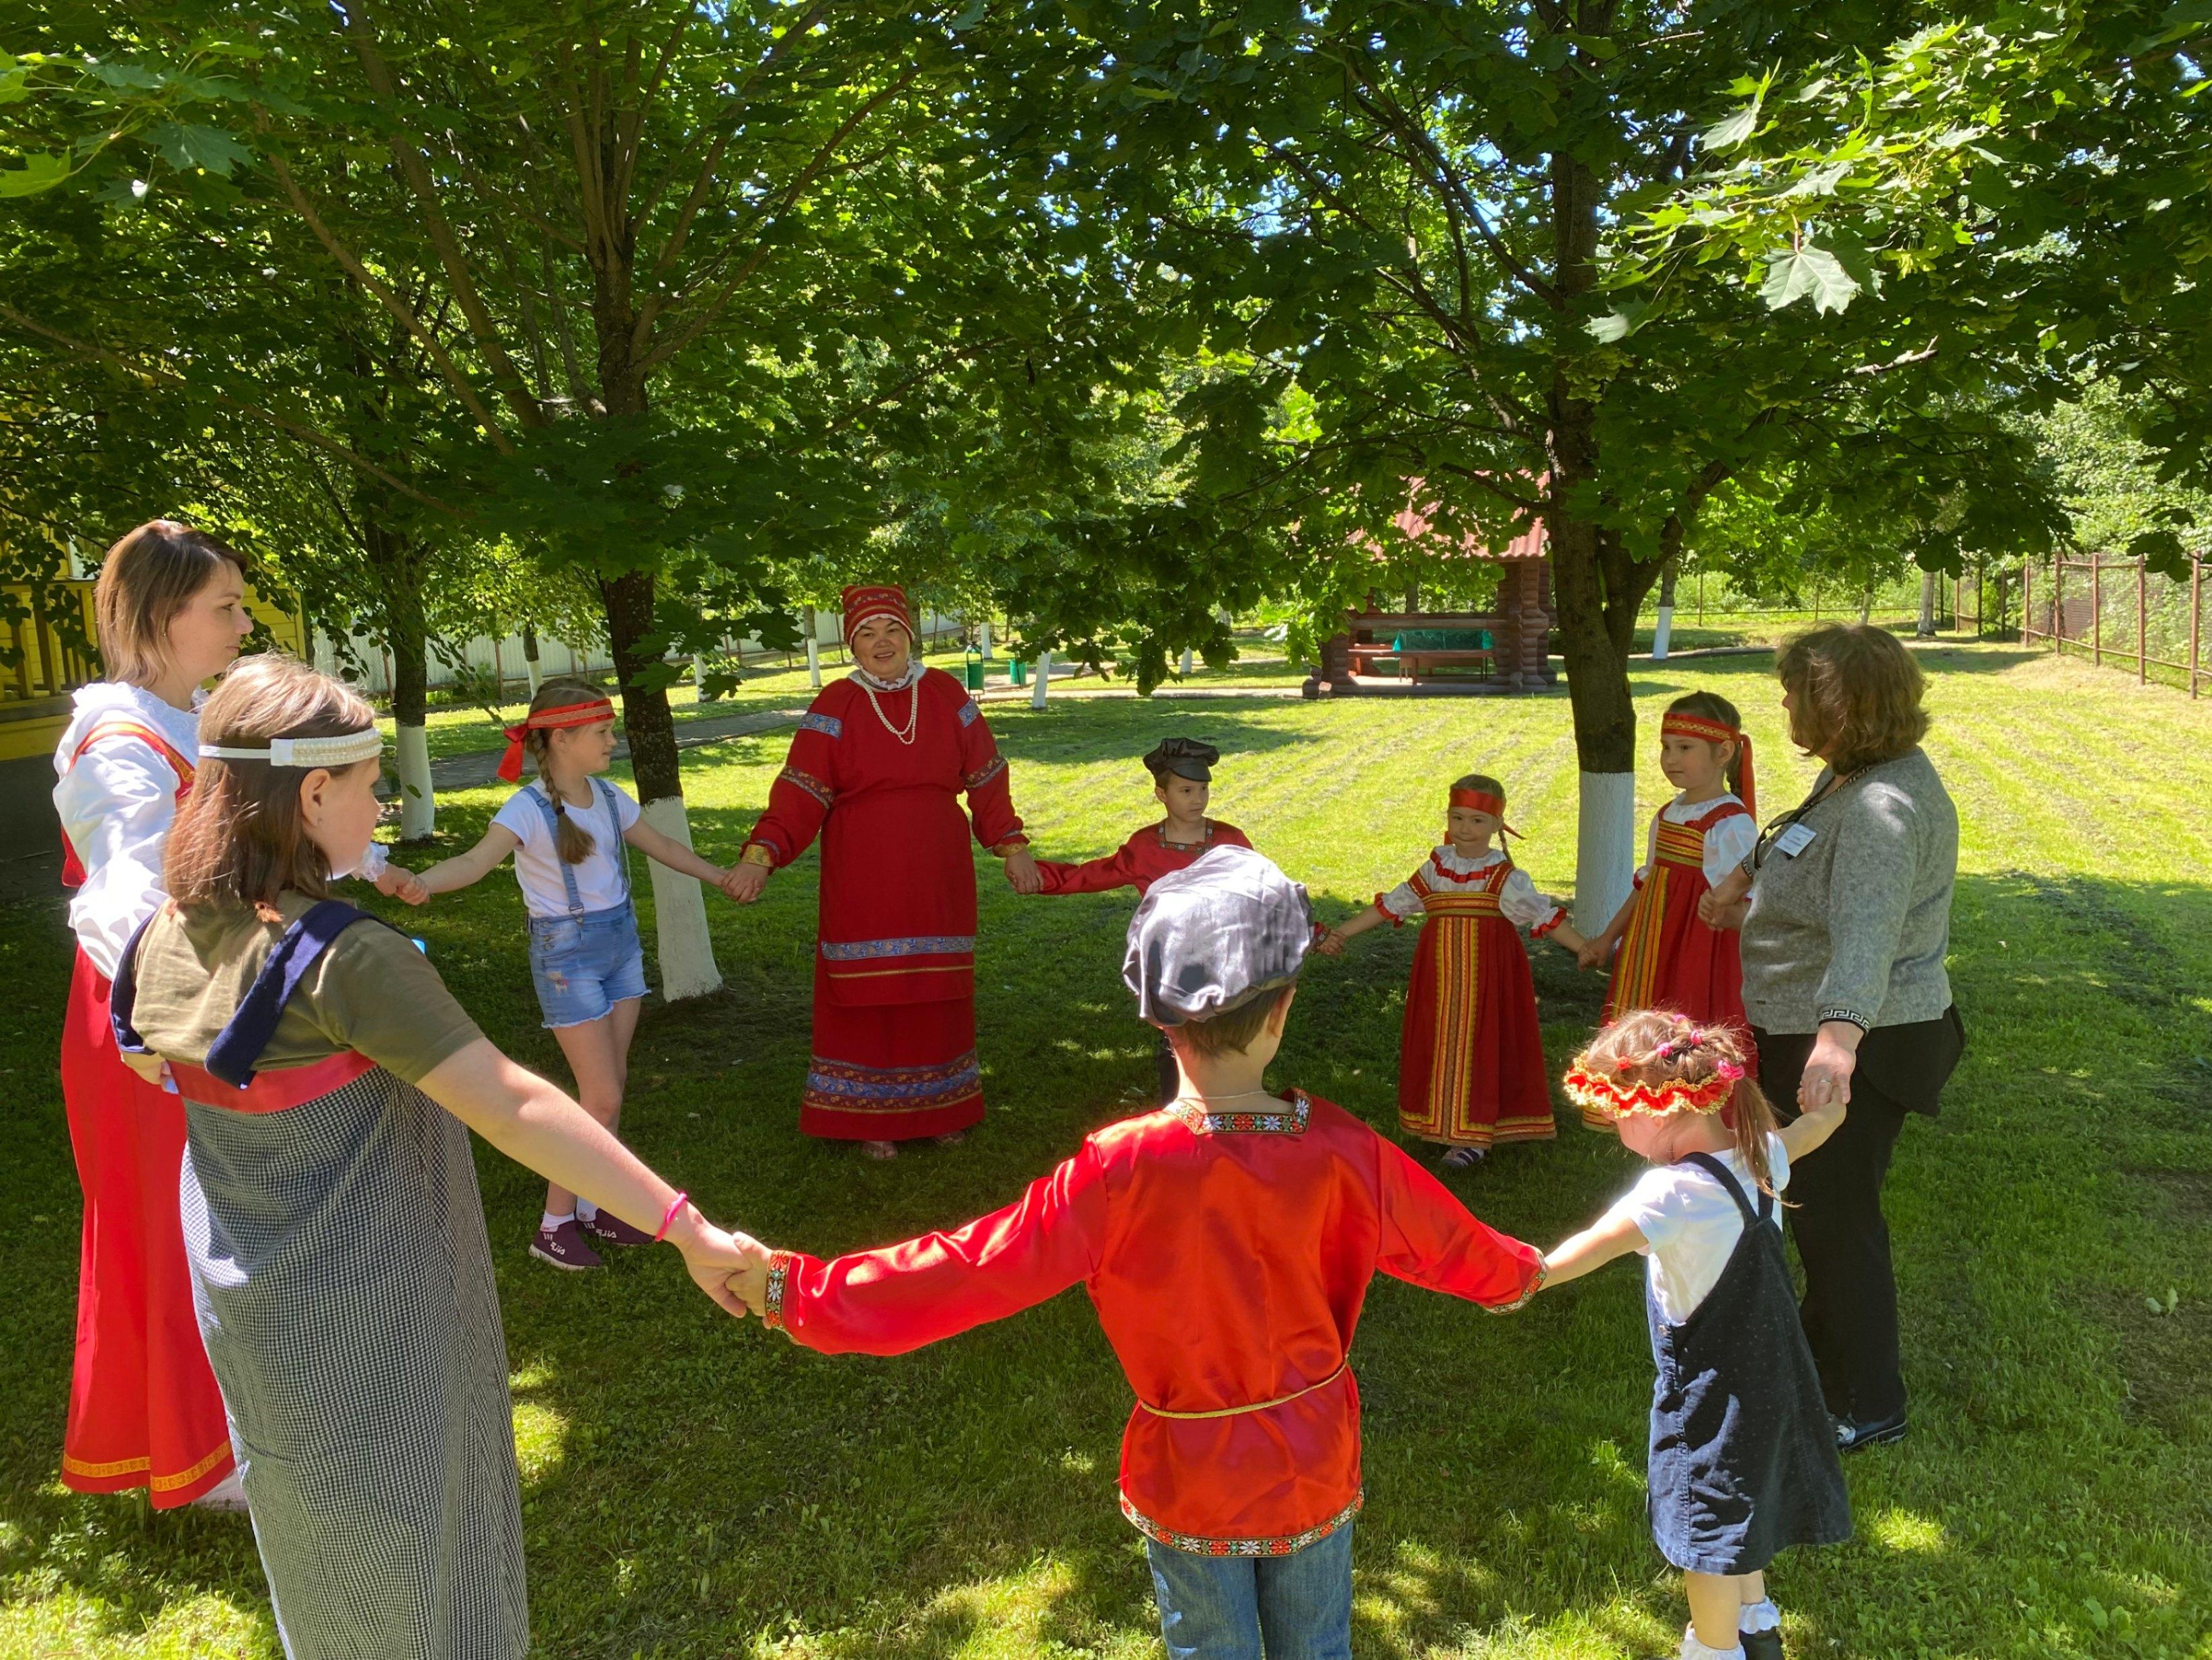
x=1523, y=905
x=1401, y=902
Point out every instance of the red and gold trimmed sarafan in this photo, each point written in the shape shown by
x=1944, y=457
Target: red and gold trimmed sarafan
x=1670, y=958
x=1471, y=1054
x=1228, y=1256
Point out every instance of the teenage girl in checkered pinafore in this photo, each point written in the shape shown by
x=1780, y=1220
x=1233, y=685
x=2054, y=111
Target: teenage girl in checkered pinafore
x=332, y=1220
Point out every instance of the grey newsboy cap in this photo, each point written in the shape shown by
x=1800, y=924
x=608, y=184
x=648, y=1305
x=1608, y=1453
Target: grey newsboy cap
x=1226, y=929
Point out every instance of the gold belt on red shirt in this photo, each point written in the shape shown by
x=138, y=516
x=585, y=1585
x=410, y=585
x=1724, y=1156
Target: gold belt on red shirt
x=1257, y=1406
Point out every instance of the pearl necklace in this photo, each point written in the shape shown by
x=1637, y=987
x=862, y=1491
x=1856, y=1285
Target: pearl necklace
x=913, y=714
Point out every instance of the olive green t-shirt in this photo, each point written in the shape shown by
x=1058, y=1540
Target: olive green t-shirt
x=371, y=991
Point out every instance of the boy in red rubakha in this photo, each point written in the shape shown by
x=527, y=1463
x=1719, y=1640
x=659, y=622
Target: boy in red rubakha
x=1227, y=1240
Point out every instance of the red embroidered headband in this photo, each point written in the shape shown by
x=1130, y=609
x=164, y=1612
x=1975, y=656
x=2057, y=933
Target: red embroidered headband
x=565, y=714
x=1703, y=727
x=1484, y=801
x=1614, y=1098
x=864, y=605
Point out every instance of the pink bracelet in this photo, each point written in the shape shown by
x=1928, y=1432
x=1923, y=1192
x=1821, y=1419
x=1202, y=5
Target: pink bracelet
x=668, y=1216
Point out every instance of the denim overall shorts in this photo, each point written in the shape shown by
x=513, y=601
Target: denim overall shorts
x=586, y=961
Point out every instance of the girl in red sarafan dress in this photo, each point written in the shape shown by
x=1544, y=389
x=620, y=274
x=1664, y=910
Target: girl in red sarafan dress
x=876, y=770
x=1670, y=957
x=1471, y=1063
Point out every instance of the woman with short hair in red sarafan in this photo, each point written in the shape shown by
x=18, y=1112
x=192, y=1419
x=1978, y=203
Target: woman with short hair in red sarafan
x=877, y=770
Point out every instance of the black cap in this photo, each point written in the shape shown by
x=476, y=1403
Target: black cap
x=1186, y=758
x=1223, y=930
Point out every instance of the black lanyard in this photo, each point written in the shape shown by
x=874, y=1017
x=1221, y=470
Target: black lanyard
x=1775, y=831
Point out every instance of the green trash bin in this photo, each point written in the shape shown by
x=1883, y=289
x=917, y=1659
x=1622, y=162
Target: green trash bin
x=1018, y=672
x=974, y=670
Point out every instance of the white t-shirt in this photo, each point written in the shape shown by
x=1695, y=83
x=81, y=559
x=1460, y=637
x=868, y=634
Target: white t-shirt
x=1691, y=1225
x=537, y=868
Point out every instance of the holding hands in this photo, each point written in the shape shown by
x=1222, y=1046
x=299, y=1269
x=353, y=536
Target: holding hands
x=1022, y=871
x=732, y=1269
x=397, y=882
x=745, y=881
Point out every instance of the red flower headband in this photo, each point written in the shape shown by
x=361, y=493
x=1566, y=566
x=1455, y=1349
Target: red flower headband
x=1717, y=731
x=1484, y=801
x=1613, y=1098
x=566, y=714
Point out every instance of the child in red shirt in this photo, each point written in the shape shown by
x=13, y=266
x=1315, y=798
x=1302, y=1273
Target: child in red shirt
x=1227, y=1241
x=1183, y=783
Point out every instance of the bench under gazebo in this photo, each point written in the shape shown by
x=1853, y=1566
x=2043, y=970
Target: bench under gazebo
x=1421, y=653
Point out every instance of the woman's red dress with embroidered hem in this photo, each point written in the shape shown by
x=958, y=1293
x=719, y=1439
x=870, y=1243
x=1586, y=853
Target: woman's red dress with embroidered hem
x=894, y=1053
x=1228, y=1267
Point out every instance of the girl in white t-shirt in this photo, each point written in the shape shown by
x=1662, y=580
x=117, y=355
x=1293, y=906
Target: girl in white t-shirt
x=570, y=832
x=1743, y=1454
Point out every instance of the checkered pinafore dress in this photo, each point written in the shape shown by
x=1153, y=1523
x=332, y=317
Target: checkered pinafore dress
x=344, y=1288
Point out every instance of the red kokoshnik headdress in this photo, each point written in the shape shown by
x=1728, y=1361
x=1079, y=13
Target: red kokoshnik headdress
x=565, y=714
x=1717, y=732
x=864, y=605
x=1484, y=801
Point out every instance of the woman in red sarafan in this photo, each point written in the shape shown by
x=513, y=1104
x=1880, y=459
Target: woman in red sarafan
x=876, y=770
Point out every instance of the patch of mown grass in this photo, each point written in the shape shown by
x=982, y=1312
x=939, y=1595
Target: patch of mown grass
x=691, y=1488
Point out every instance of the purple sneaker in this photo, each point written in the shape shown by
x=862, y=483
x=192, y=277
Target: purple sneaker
x=608, y=1229
x=564, y=1247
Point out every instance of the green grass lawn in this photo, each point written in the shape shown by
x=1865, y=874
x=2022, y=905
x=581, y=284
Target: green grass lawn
x=696, y=1487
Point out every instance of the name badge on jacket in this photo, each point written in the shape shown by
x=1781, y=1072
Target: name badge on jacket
x=1795, y=840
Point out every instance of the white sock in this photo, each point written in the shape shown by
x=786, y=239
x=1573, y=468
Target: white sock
x=548, y=1222
x=586, y=1210
x=1693, y=1649
x=1761, y=1615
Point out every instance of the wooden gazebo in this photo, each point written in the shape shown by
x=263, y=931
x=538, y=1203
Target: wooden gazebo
x=1415, y=652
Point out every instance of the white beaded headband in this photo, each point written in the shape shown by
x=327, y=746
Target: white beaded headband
x=342, y=750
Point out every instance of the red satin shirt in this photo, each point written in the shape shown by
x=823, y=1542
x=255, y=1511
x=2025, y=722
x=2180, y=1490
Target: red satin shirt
x=1228, y=1256
x=1138, y=862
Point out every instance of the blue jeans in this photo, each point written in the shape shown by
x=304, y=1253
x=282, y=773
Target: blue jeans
x=583, y=966
x=1240, y=1608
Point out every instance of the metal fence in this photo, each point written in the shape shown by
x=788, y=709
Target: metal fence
x=2121, y=609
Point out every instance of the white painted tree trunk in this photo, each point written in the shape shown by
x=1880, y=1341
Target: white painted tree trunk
x=418, y=798
x=679, y=911
x=1188, y=657
x=537, y=675
x=1044, y=677
x=984, y=636
x=1926, y=627
x=1606, y=849
x=814, y=662
x=1662, y=633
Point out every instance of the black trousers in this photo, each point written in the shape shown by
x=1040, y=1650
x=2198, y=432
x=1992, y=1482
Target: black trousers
x=1850, y=1308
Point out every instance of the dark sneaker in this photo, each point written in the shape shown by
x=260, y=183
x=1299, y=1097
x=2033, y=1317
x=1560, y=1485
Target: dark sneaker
x=1760, y=1645
x=564, y=1247
x=1851, y=1434
x=610, y=1230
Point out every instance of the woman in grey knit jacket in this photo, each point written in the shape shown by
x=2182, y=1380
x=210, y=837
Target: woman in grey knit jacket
x=1843, y=981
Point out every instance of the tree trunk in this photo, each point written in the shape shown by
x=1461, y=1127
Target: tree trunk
x=1044, y=676
x=1925, y=628
x=814, y=648
x=407, y=640
x=1666, y=624
x=1594, y=584
x=679, y=910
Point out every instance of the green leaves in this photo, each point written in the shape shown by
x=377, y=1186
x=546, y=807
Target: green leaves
x=1793, y=272
x=39, y=171
x=205, y=150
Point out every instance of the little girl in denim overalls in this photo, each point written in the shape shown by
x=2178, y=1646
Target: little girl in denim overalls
x=570, y=832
